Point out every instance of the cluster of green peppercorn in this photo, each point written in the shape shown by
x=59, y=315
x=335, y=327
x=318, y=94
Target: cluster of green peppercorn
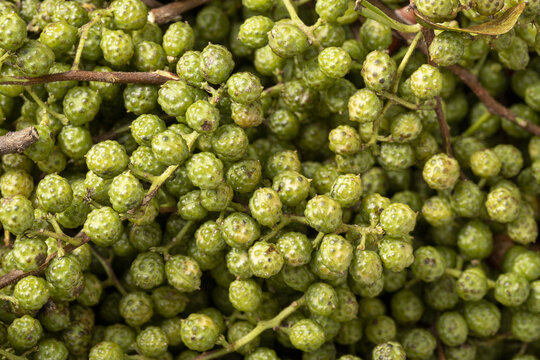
x=287, y=194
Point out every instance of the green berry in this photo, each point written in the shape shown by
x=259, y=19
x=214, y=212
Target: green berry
x=502, y=205
x=441, y=172
x=429, y=265
x=407, y=307
x=253, y=31
x=13, y=31
x=35, y=58
x=323, y=214
x=183, y=273
x=202, y=116
x=306, y=335
x=396, y=255
x=366, y=267
x=199, y=332
x=452, y=328
x=295, y=248
x=447, y=48
x=335, y=62
x=31, y=292
x=389, y=350
x=472, y=285
x=525, y=326
x=511, y=289
x=437, y=11
x=426, y=82
x=216, y=63
x=379, y=71
x=380, y=329
x=136, y=308
x=483, y=318
x=321, y=299
x=398, y=219
x=152, y=341
x=265, y=260
x=106, y=350
x=24, y=332
x=287, y=40
x=103, y=226
x=245, y=295
x=419, y=343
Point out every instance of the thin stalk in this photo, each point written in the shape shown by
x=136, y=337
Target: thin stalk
x=63, y=119
x=405, y=60
x=377, y=124
x=477, y=125
x=75, y=241
x=394, y=98
x=110, y=272
x=180, y=236
x=298, y=22
x=156, y=184
x=261, y=326
x=11, y=356
x=315, y=243
x=84, y=36
x=270, y=235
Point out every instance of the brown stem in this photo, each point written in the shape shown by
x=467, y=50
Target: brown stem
x=429, y=34
x=152, y=4
x=15, y=275
x=18, y=141
x=172, y=11
x=115, y=77
x=106, y=263
x=493, y=106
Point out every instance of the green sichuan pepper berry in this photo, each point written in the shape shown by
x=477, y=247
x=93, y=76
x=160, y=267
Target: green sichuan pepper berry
x=511, y=289
x=16, y=214
x=321, y=299
x=441, y=172
x=202, y=116
x=35, y=58
x=216, y=63
x=175, y=97
x=483, y=318
x=265, y=206
x=103, y=226
x=426, y=82
x=244, y=87
x=419, y=343
x=13, y=31
x=117, y=47
x=396, y=255
x=205, y=170
x=429, y=265
x=452, y=329
x=364, y=106
x=379, y=71
x=31, y=292
x=253, y=31
x=295, y=247
x=524, y=326
x=107, y=159
x=406, y=306
x=245, y=295
x=183, y=273
x=398, y=219
x=472, y=285
x=389, y=350
x=306, y=335
x=323, y=214
x=199, y=332
x=106, y=350
x=335, y=62
x=170, y=148
x=366, y=267
x=336, y=253
x=447, y=48
x=29, y=253
x=54, y=193
x=264, y=259
x=136, y=308
x=287, y=40
x=24, y=332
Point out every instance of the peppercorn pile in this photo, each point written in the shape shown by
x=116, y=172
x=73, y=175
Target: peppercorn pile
x=270, y=179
